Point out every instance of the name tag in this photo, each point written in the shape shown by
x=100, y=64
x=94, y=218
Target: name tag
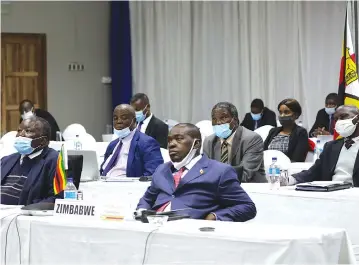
x=75, y=208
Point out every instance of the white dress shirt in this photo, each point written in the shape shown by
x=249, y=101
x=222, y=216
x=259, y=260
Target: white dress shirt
x=229, y=141
x=145, y=123
x=119, y=170
x=188, y=167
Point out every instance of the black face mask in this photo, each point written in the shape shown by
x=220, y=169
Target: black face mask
x=286, y=121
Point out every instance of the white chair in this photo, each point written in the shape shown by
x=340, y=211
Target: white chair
x=165, y=155
x=170, y=123
x=205, y=128
x=263, y=131
x=310, y=157
x=8, y=138
x=298, y=167
x=282, y=160
x=279, y=124
x=108, y=137
x=72, y=130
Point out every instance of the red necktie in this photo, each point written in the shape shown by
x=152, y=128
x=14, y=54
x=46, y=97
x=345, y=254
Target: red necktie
x=177, y=178
x=332, y=125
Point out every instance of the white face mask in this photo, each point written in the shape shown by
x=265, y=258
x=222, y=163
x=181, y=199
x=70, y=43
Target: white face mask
x=185, y=161
x=345, y=127
x=27, y=115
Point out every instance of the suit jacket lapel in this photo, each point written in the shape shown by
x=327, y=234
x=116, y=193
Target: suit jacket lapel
x=34, y=173
x=217, y=149
x=5, y=169
x=235, y=143
x=196, y=171
x=337, y=147
x=167, y=173
x=131, y=152
x=355, y=169
x=150, y=125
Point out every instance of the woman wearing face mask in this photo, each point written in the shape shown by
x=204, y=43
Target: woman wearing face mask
x=290, y=138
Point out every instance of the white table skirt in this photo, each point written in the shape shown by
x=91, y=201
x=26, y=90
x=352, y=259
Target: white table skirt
x=50, y=240
x=286, y=206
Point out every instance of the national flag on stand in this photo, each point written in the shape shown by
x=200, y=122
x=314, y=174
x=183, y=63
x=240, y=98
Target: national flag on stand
x=60, y=173
x=348, y=90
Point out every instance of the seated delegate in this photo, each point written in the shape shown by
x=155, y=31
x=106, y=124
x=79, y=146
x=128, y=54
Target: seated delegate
x=132, y=154
x=324, y=122
x=290, y=138
x=259, y=116
x=339, y=160
x=27, y=176
x=235, y=145
x=207, y=189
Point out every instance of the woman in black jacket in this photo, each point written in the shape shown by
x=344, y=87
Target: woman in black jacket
x=290, y=139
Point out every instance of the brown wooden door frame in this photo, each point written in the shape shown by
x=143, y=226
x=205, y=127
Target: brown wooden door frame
x=41, y=61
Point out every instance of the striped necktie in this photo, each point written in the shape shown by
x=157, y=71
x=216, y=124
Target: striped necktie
x=224, y=152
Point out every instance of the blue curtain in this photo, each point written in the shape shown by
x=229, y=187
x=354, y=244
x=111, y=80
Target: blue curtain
x=120, y=52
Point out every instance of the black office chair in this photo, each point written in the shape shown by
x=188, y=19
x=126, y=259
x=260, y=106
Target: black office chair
x=75, y=163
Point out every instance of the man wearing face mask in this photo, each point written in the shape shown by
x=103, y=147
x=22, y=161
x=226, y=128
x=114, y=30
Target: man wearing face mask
x=146, y=122
x=201, y=187
x=27, y=176
x=324, y=122
x=235, y=145
x=27, y=110
x=259, y=116
x=132, y=154
x=339, y=160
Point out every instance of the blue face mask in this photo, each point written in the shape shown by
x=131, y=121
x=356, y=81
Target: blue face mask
x=140, y=116
x=122, y=133
x=23, y=145
x=330, y=111
x=222, y=130
x=256, y=117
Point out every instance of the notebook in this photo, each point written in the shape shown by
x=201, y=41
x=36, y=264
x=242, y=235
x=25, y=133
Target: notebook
x=323, y=186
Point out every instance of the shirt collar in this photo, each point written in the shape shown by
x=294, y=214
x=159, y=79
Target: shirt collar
x=147, y=120
x=229, y=140
x=33, y=155
x=193, y=162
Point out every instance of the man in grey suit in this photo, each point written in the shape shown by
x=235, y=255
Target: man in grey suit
x=235, y=145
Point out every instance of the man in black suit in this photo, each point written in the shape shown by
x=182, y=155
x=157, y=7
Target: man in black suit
x=27, y=110
x=324, y=122
x=259, y=116
x=147, y=122
x=339, y=160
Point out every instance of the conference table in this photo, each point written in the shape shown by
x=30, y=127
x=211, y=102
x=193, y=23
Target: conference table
x=290, y=227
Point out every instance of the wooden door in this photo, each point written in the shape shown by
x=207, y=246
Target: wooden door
x=23, y=75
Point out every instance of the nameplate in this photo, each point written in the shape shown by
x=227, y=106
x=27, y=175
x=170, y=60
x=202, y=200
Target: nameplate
x=75, y=208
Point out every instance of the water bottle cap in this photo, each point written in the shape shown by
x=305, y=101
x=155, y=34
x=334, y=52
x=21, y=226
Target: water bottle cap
x=77, y=135
x=274, y=158
x=69, y=180
x=318, y=141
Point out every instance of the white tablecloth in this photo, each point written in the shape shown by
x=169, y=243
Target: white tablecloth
x=338, y=209
x=50, y=240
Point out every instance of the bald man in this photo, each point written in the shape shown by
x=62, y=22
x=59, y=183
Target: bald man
x=196, y=185
x=339, y=160
x=132, y=153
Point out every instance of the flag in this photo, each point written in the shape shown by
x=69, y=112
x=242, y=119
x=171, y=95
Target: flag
x=60, y=173
x=348, y=90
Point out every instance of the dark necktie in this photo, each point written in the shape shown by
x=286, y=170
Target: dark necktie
x=140, y=125
x=113, y=159
x=224, y=152
x=348, y=143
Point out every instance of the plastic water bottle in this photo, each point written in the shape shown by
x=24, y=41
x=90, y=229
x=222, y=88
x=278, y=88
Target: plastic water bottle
x=274, y=175
x=318, y=149
x=70, y=192
x=77, y=143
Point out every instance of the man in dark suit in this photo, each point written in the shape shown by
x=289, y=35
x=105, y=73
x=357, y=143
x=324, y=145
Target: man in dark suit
x=324, y=122
x=339, y=160
x=235, y=145
x=132, y=154
x=206, y=188
x=28, y=110
x=27, y=176
x=259, y=116
x=147, y=122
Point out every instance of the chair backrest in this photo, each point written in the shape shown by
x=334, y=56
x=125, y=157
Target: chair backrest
x=279, y=124
x=75, y=164
x=8, y=138
x=165, y=155
x=282, y=160
x=72, y=130
x=264, y=131
x=205, y=128
x=310, y=157
x=107, y=137
x=170, y=123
